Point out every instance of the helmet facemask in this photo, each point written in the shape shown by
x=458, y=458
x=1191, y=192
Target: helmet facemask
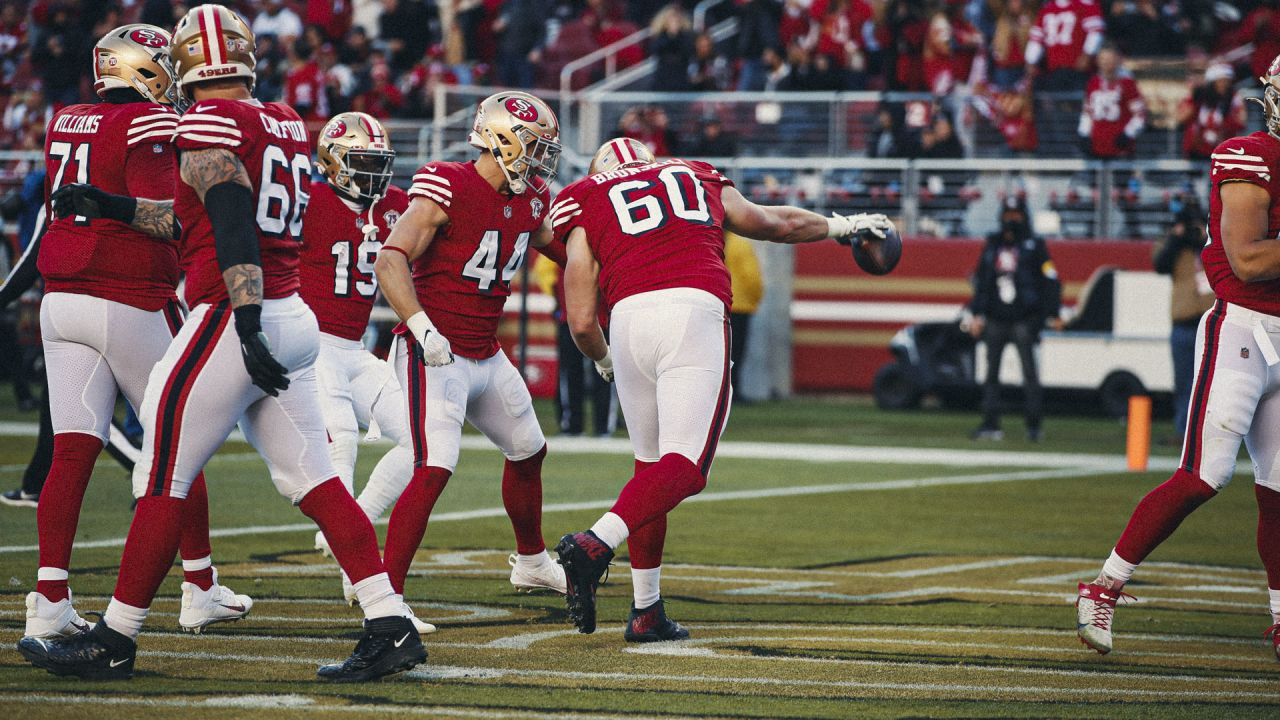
x=538, y=157
x=364, y=174
x=1270, y=103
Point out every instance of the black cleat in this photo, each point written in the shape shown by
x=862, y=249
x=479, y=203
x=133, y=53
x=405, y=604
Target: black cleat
x=99, y=654
x=585, y=558
x=390, y=645
x=20, y=498
x=653, y=625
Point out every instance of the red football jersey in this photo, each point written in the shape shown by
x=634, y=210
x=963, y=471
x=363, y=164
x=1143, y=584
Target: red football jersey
x=1061, y=29
x=651, y=227
x=337, y=257
x=1253, y=159
x=121, y=149
x=464, y=277
x=271, y=142
x=1111, y=107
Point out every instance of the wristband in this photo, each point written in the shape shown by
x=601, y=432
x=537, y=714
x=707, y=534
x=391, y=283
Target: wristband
x=393, y=248
x=248, y=320
x=118, y=207
x=606, y=362
x=419, y=324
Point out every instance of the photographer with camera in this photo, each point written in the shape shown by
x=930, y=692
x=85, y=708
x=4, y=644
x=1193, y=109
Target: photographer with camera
x=1179, y=257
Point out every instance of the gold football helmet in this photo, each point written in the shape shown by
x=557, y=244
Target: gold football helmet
x=522, y=133
x=135, y=57
x=355, y=154
x=619, y=153
x=212, y=43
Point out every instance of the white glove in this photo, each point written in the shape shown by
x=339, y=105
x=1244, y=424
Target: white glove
x=604, y=366
x=433, y=346
x=845, y=227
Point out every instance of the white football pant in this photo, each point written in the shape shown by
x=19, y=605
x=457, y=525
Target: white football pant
x=489, y=393
x=95, y=349
x=200, y=389
x=671, y=364
x=359, y=390
x=1234, y=396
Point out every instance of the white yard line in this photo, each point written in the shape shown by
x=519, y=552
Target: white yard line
x=482, y=673
x=605, y=504
x=799, y=452
x=308, y=705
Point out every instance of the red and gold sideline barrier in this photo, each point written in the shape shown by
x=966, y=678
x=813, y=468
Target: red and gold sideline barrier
x=843, y=319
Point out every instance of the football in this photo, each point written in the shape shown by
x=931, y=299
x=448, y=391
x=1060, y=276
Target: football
x=877, y=255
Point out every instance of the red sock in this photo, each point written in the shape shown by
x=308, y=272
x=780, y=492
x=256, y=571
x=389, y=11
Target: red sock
x=522, y=497
x=194, y=544
x=1160, y=513
x=58, y=513
x=657, y=490
x=409, y=521
x=149, y=550
x=1269, y=533
x=346, y=527
x=644, y=545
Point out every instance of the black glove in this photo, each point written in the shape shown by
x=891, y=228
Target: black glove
x=88, y=201
x=1086, y=146
x=1124, y=143
x=264, y=370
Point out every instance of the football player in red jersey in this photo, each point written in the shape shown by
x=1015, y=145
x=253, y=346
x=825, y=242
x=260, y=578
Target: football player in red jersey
x=245, y=171
x=347, y=220
x=650, y=236
x=110, y=311
x=1234, y=395
x=1113, y=114
x=446, y=270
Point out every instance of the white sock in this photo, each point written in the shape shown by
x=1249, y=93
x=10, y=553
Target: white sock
x=377, y=599
x=1275, y=603
x=124, y=619
x=644, y=586
x=611, y=529
x=1118, y=568
x=47, y=574
x=198, y=564
x=387, y=481
x=532, y=561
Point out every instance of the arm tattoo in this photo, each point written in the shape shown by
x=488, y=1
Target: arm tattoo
x=202, y=169
x=244, y=284
x=156, y=218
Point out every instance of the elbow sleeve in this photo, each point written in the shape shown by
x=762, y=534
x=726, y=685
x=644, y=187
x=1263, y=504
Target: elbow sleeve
x=230, y=209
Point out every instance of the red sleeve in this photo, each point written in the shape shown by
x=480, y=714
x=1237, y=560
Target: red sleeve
x=432, y=182
x=210, y=124
x=556, y=252
x=708, y=173
x=1241, y=160
x=566, y=213
x=1091, y=19
x=149, y=171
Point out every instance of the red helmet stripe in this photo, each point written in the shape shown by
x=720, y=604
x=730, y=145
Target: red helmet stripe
x=211, y=29
x=375, y=135
x=622, y=149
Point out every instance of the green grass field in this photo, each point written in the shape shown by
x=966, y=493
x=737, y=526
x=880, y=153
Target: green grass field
x=842, y=562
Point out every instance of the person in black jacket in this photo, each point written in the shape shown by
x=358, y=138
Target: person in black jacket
x=1015, y=290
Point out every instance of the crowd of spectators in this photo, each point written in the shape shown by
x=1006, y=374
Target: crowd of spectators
x=387, y=57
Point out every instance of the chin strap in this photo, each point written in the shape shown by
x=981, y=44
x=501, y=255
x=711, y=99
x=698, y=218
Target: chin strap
x=370, y=228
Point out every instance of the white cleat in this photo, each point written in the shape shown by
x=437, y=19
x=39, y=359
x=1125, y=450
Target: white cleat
x=323, y=545
x=549, y=575
x=1095, y=608
x=423, y=627
x=201, y=608
x=49, y=620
